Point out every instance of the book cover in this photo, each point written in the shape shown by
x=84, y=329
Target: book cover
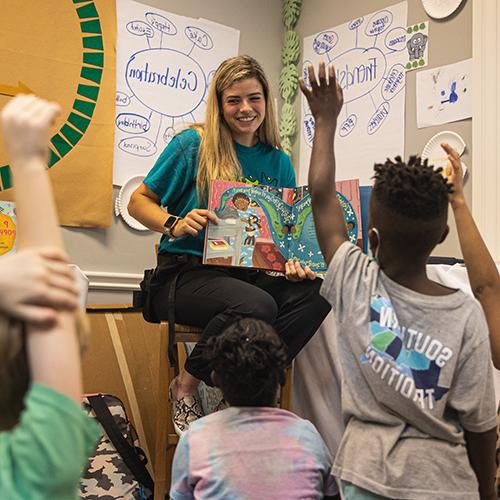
x=264, y=226
x=7, y=227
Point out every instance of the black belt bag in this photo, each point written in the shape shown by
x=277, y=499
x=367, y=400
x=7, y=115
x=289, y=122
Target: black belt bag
x=166, y=273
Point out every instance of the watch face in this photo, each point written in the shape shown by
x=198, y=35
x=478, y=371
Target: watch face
x=169, y=222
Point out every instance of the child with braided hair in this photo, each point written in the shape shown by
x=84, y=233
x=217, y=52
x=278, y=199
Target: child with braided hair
x=417, y=385
x=251, y=449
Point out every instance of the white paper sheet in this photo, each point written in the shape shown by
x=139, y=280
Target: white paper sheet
x=164, y=65
x=369, y=54
x=444, y=94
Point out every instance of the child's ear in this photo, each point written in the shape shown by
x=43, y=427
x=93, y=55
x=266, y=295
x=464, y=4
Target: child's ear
x=445, y=234
x=215, y=378
x=373, y=240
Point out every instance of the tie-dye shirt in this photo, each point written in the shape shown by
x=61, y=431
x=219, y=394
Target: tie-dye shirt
x=416, y=371
x=249, y=453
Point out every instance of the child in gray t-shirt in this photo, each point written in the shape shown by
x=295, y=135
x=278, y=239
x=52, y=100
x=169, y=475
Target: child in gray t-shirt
x=417, y=388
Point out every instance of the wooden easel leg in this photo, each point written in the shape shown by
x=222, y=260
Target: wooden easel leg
x=286, y=390
x=162, y=418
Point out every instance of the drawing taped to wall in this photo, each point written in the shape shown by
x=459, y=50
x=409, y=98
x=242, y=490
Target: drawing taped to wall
x=369, y=54
x=417, y=44
x=444, y=94
x=164, y=65
x=7, y=227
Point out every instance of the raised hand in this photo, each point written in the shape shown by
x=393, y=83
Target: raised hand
x=325, y=97
x=35, y=283
x=26, y=122
x=454, y=174
x=193, y=222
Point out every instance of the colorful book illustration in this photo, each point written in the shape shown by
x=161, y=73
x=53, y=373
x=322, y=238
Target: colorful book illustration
x=7, y=227
x=264, y=226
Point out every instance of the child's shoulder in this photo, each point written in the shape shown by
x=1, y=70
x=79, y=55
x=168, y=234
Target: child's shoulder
x=476, y=328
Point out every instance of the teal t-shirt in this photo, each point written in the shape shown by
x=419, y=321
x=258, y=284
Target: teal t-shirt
x=44, y=456
x=173, y=179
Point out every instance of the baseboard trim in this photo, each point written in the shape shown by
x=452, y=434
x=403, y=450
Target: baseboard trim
x=113, y=281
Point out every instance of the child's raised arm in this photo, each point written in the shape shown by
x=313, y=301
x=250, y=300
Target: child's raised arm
x=481, y=269
x=325, y=99
x=54, y=352
x=35, y=283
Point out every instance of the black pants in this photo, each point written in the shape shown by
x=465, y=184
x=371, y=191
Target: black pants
x=209, y=297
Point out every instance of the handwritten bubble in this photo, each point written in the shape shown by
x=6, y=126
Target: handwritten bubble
x=325, y=42
x=378, y=23
x=359, y=71
x=161, y=23
x=396, y=39
x=353, y=25
x=309, y=129
x=199, y=37
x=168, y=134
x=132, y=123
x=140, y=28
x=138, y=146
x=122, y=99
x=378, y=118
x=394, y=82
x=348, y=125
x=210, y=77
x=305, y=72
x=166, y=81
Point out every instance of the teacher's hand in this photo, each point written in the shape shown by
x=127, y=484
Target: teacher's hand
x=294, y=272
x=193, y=222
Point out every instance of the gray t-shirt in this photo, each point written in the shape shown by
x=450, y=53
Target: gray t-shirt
x=416, y=372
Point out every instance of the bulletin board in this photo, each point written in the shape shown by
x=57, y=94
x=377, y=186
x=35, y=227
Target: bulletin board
x=63, y=50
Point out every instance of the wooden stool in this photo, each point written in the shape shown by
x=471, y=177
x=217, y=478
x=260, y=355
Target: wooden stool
x=166, y=438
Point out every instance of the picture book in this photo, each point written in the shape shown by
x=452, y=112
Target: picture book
x=7, y=227
x=264, y=226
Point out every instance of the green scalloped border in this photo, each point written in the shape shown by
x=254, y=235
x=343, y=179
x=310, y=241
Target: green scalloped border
x=79, y=118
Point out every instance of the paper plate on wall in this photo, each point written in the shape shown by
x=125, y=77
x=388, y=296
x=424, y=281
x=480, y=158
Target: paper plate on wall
x=439, y=9
x=435, y=153
x=122, y=200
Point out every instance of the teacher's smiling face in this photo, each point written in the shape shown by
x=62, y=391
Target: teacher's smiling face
x=244, y=110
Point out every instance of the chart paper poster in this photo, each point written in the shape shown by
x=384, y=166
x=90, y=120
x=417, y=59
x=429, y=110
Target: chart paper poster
x=369, y=54
x=444, y=94
x=63, y=51
x=164, y=66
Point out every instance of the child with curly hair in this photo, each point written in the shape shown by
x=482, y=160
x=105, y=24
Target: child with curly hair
x=251, y=449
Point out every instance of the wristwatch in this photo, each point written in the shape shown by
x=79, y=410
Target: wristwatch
x=170, y=224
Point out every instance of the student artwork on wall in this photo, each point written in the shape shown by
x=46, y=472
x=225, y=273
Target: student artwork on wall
x=369, y=54
x=62, y=50
x=444, y=94
x=164, y=66
x=417, y=44
x=7, y=227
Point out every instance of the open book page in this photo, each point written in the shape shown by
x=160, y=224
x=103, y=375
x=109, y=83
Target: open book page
x=250, y=229
x=303, y=244
x=263, y=226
